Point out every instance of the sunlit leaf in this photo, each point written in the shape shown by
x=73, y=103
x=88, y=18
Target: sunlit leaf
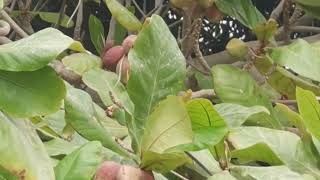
x=156, y=72
x=80, y=63
x=35, y=51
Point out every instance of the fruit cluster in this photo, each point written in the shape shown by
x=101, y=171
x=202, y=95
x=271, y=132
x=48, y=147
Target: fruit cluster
x=110, y=170
x=115, y=58
x=206, y=7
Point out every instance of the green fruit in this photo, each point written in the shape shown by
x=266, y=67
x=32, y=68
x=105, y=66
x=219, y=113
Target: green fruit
x=205, y=3
x=237, y=48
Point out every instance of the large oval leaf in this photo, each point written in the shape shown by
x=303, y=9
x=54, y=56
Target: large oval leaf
x=28, y=94
x=21, y=150
x=35, y=51
x=81, y=115
x=81, y=164
x=167, y=127
x=233, y=85
x=299, y=56
x=235, y=115
x=268, y=144
x=156, y=71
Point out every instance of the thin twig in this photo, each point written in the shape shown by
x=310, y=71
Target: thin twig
x=77, y=28
x=139, y=9
x=289, y=102
x=196, y=46
x=306, y=29
x=13, y=24
x=277, y=11
x=61, y=13
x=286, y=20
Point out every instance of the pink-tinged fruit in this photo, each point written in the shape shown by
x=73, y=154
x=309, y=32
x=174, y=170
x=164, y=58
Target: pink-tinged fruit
x=132, y=173
x=107, y=171
x=112, y=57
x=128, y=43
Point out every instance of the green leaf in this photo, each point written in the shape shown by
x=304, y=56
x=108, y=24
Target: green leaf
x=299, y=56
x=168, y=126
x=58, y=146
x=81, y=115
x=80, y=63
x=53, y=18
x=28, y=94
x=123, y=15
x=35, y=51
x=244, y=11
x=309, y=109
x=21, y=150
x=207, y=160
x=282, y=80
x=115, y=129
x=1, y=4
x=263, y=144
x=208, y=127
x=104, y=82
x=5, y=174
x=265, y=173
x=292, y=116
x=163, y=162
x=97, y=35
x=235, y=115
x=155, y=72
x=224, y=175
x=80, y=164
x=233, y=85
x=204, y=81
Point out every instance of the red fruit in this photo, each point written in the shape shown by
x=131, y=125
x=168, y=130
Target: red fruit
x=107, y=46
x=132, y=173
x=128, y=42
x=123, y=69
x=112, y=57
x=147, y=175
x=107, y=171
